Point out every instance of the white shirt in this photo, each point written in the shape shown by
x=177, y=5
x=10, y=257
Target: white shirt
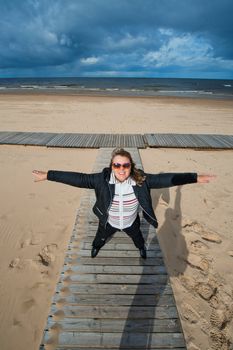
x=124, y=207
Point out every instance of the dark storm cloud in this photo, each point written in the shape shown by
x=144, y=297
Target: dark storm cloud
x=99, y=37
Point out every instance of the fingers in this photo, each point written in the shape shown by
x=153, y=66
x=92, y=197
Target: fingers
x=205, y=178
x=39, y=175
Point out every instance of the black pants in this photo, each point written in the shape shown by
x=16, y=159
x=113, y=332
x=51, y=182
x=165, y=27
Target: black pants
x=104, y=233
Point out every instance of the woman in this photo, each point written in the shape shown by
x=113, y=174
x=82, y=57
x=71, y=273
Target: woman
x=121, y=190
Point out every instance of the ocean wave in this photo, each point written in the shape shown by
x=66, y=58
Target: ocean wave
x=112, y=89
x=60, y=87
x=186, y=92
x=30, y=86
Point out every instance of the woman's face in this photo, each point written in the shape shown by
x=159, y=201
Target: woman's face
x=121, y=167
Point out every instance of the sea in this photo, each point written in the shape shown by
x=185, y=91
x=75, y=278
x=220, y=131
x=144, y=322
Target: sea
x=148, y=87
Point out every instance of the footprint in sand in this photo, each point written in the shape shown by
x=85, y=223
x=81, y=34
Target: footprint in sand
x=205, y=290
x=28, y=304
x=16, y=262
x=198, y=245
x=47, y=255
x=219, y=340
x=205, y=234
x=218, y=318
x=188, y=282
x=210, y=236
x=198, y=262
x=189, y=314
x=31, y=240
x=22, y=264
x=17, y=322
x=25, y=243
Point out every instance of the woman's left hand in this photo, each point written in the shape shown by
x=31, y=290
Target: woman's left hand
x=202, y=179
x=40, y=175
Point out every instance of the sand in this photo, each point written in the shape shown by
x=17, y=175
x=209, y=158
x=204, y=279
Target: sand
x=195, y=235
x=50, y=113
x=36, y=219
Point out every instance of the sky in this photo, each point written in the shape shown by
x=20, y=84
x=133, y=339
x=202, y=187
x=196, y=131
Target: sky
x=116, y=38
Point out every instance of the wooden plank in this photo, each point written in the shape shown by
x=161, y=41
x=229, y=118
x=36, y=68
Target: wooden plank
x=115, y=246
x=189, y=140
x=112, y=300
x=226, y=141
x=116, y=278
x=221, y=141
x=116, y=325
x=118, y=254
x=6, y=137
x=112, y=312
x=92, y=141
x=181, y=140
x=88, y=235
x=124, y=239
x=206, y=141
x=135, y=340
x=55, y=141
x=112, y=269
x=11, y=138
x=99, y=289
x=91, y=231
x=97, y=348
x=35, y=138
x=113, y=261
x=163, y=139
x=76, y=347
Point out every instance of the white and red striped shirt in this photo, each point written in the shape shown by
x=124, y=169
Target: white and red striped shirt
x=125, y=206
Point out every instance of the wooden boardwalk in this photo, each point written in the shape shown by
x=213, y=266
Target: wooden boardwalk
x=116, y=300
x=74, y=140
x=189, y=141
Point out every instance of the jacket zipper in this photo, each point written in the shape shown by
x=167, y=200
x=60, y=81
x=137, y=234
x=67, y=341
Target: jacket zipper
x=147, y=213
x=109, y=204
x=99, y=211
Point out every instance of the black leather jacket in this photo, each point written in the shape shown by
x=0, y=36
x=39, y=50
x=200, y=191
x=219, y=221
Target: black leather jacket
x=105, y=191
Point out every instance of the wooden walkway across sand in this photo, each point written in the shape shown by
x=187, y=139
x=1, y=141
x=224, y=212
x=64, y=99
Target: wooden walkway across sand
x=201, y=141
x=116, y=300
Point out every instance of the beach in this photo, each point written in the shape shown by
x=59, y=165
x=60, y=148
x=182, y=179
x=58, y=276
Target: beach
x=195, y=221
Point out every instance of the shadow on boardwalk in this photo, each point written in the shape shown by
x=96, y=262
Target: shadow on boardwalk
x=146, y=328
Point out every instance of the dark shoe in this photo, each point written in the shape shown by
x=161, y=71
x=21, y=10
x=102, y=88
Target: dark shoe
x=94, y=252
x=143, y=253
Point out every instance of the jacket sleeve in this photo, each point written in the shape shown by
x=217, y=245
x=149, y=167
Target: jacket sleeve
x=170, y=179
x=73, y=179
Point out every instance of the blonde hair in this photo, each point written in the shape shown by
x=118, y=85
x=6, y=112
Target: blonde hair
x=135, y=173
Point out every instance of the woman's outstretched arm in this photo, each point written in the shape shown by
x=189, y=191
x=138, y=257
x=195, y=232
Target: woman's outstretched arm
x=71, y=178
x=163, y=180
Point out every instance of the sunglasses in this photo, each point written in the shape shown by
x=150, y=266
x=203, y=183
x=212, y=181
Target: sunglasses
x=119, y=165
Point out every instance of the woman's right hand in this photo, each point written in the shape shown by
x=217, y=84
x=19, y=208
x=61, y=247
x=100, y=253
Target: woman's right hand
x=39, y=175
